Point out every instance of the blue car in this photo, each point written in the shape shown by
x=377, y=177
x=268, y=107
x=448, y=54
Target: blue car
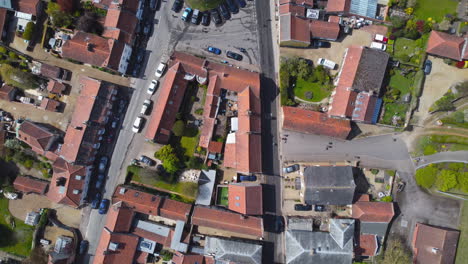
x=232, y=6
x=186, y=14
x=241, y=3
x=96, y=201
x=247, y=178
x=427, y=67
x=104, y=206
x=214, y=50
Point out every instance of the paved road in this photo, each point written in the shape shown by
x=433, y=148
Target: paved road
x=456, y=156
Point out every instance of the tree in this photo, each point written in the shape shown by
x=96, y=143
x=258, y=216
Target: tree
x=168, y=156
x=89, y=23
x=304, y=70
x=395, y=253
x=13, y=144
x=446, y=180
x=426, y=176
x=194, y=163
x=463, y=181
x=398, y=22
x=28, y=31
x=179, y=128
x=57, y=16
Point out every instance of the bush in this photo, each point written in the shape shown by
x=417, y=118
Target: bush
x=199, y=111
x=3, y=50
x=28, y=31
x=446, y=180
x=462, y=179
x=426, y=176
x=28, y=163
x=90, y=23
x=387, y=199
x=374, y=171
x=179, y=128
x=13, y=55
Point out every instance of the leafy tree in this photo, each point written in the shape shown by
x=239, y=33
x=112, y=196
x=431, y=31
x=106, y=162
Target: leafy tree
x=179, y=128
x=463, y=181
x=194, y=163
x=426, y=176
x=398, y=22
x=89, y=23
x=168, y=156
x=28, y=31
x=446, y=180
x=395, y=253
x=13, y=144
x=304, y=70
x=57, y=16
x=456, y=166
x=412, y=34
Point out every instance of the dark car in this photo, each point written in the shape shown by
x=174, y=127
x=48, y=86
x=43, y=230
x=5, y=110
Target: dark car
x=224, y=11
x=232, y=6
x=234, y=55
x=279, y=224
x=141, y=55
x=99, y=184
x=247, y=178
x=401, y=186
x=321, y=44
x=319, y=208
x=214, y=50
x=177, y=6
x=104, y=206
x=101, y=177
x=215, y=16
x=292, y=168
x=427, y=67
x=195, y=17
x=302, y=207
x=147, y=160
x=241, y=3
x=205, y=20
x=83, y=246
x=96, y=201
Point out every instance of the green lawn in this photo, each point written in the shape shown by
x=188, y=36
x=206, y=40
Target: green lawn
x=413, y=48
x=223, y=196
x=190, y=141
x=435, y=9
x=462, y=253
x=203, y=5
x=319, y=92
x=402, y=83
x=16, y=241
x=394, y=109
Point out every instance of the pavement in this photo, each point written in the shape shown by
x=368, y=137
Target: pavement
x=455, y=156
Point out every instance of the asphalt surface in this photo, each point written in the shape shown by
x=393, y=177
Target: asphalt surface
x=456, y=156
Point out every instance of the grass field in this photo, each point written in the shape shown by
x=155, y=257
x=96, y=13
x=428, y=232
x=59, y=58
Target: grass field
x=413, y=48
x=435, y=9
x=223, y=196
x=319, y=92
x=392, y=109
x=203, y=5
x=16, y=240
x=402, y=83
x=462, y=253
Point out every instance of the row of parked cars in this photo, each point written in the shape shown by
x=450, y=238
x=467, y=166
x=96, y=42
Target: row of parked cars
x=229, y=54
x=225, y=10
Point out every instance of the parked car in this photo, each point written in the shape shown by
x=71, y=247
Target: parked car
x=160, y=70
x=321, y=44
x=177, y=6
x=381, y=38
x=99, y=184
x=137, y=124
x=152, y=87
x=319, y=208
x=427, y=67
x=232, y=6
x=224, y=11
x=146, y=105
x=247, y=178
x=378, y=45
x=241, y=3
x=147, y=29
x=279, y=224
x=302, y=207
x=141, y=55
x=147, y=160
x=186, y=15
x=104, y=206
x=292, y=168
x=401, y=186
x=103, y=164
x=96, y=201
x=234, y=55
x=326, y=63
x=114, y=123
x=214, y=50
x=195, y=17
x=101, y=176
x=83, y=247
x=205, y=21
x=215, y=16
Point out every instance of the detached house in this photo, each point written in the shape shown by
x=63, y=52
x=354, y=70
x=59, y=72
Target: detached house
x=447, y=46
x=42, y=140
x=434, y=245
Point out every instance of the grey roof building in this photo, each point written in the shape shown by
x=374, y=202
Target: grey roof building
x=379, y=229
x=205, y=187
x=233, y=250
x=336, y=246
x=328, y=185
x=371, y=71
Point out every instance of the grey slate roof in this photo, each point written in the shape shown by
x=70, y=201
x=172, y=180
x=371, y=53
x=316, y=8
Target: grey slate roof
x=297, y=223
x=205, y=187
x=329, y=185
x=232, y=250
x=378, y=229
x=371, y=70
x=342, y=231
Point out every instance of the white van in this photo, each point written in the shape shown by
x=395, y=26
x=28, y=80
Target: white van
x=326, y=63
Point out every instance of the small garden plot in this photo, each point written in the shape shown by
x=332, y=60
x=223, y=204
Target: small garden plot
x=402, y=82
x=394, y=114
x=15, y=235
x=223, y=196
x=311, y=91
x=409, y=51
x=435, y=9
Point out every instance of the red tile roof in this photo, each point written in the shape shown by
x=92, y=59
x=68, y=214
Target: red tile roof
x=245, y=198
x=120, y=24
x=119, y=218
x=27, y=6
x=376, y=212
x=295, y=10
x=65, y=181
x=51, y=71
x=174, y=210
x=215, y=147
x=364, y=107
x=367, y=246
x=311, y=122
x=447, y=45
x=125, y=253
x=223, y=220
x=50, y=105
x=30, y=185
x=180, y=258
x=7, y=92
x=434, y=245
x=334, y=19
x=324, y=30
x=37, y=136
x=230, y=156
x=338, y=6
x=55, y=87
x=294, y=28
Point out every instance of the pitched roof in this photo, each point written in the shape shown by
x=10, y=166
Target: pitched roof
x=338, y=6
x=50, y=105
x=126, y=248
x=366, y=8
x=30, y=185
x=215, y=147
x=233, y=251
x=447, y=45
x=206, y=182
x=37, y=136
x=373, y=211
x=7, y=92
x=51, y=71
x=295, y=10
x=119, y=218
x=224, y=220
x=324, y=30
x=55, y=87
x=367, y=245
x=67, y=183
x=434, y=245
x=294, y=28
x=27, y=6
x=245, y=198
x=180, y=258
x=312, y=122
x=120, y=24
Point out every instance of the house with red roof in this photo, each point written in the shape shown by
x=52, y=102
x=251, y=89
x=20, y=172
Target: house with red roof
x=27, y=185
x=27, y=9
x=56, y=87
x=358, y=85
x=447, y=46
x=50, y=105
x=339, y=7
x=245, y=198
x=8, y=92
x=121, y=22
x=40, y=138
x=312, y=122
x=434, y=245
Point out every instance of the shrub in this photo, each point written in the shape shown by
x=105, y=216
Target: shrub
x=426, y=176
x=3, y=50
x=12, y=55
x=387, y=199
x=446, y=180
x=199, y=111
x=179, y=128
x=28, y=31
x=28, y=163
x=462, y=179
x=374, y=171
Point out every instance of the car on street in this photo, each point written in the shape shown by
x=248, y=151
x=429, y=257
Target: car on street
x=215, y=16
x=103, y=164
x=292, y=168
x=137, y=124
x=378, y=45
x=303, y=207
x=160, y=70
x=205, y=21
x=224, y=11
x=279, y=224
x=195, y=17
x=326, y=63
x=147, y=29
x=104, y=206
x=321, y=44
x=319, y=208
x=96, y=201
x=146, y=105
x=83, y=246
x=101, y=176
x=177, y=6
x=114, y=123
x=241, y=3
x=247, y=178
x=234, y=55
x=152, y=87
x=141, y=55
x=99, y=184
x=147, y=160
x=214, y=50
x=232, y=6
x=186, y=15
x=401, y=186
x=427, y=67
x=380, y=38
